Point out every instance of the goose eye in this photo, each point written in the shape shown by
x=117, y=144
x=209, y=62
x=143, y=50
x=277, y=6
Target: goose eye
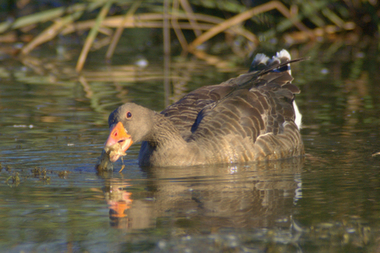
x=129, y=115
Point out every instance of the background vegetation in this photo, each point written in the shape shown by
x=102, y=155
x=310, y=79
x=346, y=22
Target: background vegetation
x=206, y=28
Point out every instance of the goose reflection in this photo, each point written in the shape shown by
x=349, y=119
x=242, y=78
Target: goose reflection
x=208, y=198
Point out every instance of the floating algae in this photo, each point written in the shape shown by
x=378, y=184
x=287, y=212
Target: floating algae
x=104, y=162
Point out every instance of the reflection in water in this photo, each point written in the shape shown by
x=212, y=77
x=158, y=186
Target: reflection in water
x=207, y=199
x=119, y=200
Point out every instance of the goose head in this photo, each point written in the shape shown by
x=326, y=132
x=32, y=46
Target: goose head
x=128, y=124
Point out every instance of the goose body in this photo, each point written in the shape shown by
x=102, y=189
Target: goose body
x=247, y=118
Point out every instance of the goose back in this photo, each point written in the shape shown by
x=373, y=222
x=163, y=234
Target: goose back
x=247, y=118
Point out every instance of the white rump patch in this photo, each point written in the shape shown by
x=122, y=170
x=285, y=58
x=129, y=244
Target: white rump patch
x=298, y=120
x=283, y=54
x=260, y=59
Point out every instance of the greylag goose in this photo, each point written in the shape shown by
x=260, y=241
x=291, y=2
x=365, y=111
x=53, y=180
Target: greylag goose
x=247, y=118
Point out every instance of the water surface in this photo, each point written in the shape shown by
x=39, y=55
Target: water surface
x=52, y=199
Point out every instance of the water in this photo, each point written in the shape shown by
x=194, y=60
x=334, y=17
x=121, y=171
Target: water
x=52, y=200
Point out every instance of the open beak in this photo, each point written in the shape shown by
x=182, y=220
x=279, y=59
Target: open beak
x=118, y=142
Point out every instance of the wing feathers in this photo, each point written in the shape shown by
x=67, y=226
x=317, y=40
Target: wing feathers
x=251, y=109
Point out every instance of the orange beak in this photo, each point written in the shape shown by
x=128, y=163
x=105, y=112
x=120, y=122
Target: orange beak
x=118, y=142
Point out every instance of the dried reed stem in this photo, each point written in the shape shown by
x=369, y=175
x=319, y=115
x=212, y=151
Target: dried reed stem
x=120, y=28
x=244, y=16
x=92, y=35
